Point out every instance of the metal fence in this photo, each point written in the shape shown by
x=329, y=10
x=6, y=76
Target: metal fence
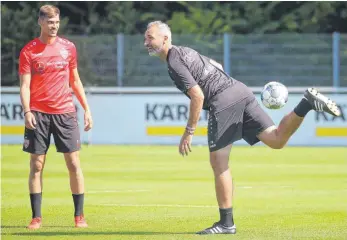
x=293, y=59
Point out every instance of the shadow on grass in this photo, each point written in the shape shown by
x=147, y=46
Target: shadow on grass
x=13, y=226
x=48, y=226
x=79, y=233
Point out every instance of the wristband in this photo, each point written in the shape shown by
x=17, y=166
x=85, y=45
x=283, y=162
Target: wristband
x=26, y=112
x=190, y=130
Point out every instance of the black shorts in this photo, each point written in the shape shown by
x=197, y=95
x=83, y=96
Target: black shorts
x=64, y=128
x=244, y=119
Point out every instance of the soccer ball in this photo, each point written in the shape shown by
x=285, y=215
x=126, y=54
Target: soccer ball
x=274, y=95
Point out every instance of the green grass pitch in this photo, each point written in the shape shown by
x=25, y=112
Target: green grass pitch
x=151, y=192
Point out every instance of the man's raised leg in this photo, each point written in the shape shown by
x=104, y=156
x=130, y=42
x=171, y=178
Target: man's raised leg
x=277, y=137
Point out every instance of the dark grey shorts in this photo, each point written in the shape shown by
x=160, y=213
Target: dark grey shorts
x=64, y=128
x=244, y=119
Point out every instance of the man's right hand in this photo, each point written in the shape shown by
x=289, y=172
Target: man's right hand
x=30, y=120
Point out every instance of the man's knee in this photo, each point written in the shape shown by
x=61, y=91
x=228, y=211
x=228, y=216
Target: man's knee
x=219, y=160
x=276, y=142
x=73, y=162
x=272, y=138
x=277, y=145
x=74, y=167
x=36, y=167
x=36, y=163
x=219, y=167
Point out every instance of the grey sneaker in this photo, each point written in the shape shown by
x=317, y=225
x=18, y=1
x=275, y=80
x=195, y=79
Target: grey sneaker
x=321, y=103
x=218, y=228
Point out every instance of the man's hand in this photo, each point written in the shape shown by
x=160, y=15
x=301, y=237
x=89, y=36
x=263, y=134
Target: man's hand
x=30, y=120
x=185, y=144
x=88, y=121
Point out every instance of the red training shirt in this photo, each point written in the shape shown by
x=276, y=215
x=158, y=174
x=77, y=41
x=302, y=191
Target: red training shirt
x=49, y=66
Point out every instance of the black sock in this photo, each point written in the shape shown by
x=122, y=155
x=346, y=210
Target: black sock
x=78, y=200
x=226, y=217
x=35, y=200
x=303, y=108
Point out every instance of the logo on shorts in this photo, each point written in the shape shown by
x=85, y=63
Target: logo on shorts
x=26, y=143
x=64, y=53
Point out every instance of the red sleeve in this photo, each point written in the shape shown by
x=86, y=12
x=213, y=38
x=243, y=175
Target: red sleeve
x=73, y=60
x=24, y=63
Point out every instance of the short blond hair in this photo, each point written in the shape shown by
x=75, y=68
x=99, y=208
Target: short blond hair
x=48, y=11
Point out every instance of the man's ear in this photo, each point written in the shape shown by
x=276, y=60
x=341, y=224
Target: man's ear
x=166, y=39
x=39, y=21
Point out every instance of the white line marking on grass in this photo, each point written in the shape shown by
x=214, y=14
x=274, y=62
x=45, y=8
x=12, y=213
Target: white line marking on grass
x=249, y=187
x=159, y=205
x=117, y=191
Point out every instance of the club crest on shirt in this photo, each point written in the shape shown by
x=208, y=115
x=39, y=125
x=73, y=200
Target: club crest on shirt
x=64, y=53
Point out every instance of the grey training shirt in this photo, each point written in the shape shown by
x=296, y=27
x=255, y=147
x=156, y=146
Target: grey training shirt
x=188, y=68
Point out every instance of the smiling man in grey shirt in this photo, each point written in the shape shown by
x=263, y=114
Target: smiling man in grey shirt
x=234, y=112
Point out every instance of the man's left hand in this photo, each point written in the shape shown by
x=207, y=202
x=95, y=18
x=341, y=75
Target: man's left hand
x=185, y=144
x=88, y=121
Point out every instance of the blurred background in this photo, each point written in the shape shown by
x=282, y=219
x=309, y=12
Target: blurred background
x=149, y=192
x=299, y=43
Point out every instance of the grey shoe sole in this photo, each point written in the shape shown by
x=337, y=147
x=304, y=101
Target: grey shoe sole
x=321, y=103
x=218, y=230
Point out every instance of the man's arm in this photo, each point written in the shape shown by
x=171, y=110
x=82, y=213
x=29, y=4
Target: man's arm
x=25, y=80
x=196, y=102
x=186, y=83
x=78, y=89
x=184, y=80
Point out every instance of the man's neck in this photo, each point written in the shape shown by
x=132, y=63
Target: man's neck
x=47, y=39
x=163, y=55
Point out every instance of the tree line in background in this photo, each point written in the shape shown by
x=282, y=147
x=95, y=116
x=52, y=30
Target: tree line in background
x=19, y=19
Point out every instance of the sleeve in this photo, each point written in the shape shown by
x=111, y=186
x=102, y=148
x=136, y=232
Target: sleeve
x=73, y=59
x=24, y=63
x=180, y=75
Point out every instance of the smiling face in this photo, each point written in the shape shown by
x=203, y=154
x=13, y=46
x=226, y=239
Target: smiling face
x=155, y=41
x=49, y=20
x=50, y=26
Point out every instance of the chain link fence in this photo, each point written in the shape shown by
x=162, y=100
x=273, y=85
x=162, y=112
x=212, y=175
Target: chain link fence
x=293, y=59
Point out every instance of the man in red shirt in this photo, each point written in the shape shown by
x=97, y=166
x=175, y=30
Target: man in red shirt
x=47, y=69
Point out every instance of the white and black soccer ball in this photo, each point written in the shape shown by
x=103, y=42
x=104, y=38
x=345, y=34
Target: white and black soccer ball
x=274, y=95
